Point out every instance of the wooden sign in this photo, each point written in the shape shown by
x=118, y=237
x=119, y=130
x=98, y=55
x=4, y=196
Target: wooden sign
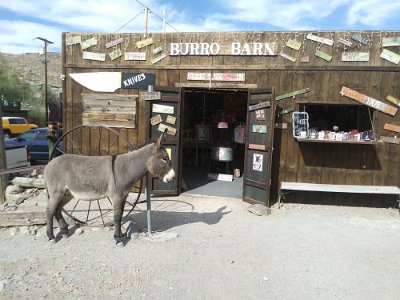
x=394, y=100
x=216, y=76
x=257, y=147
x=158, y=58
x=150, y=96
x=360, y=39
x=144, y=43
x=281, y=125
x=170, y=130
x=305, y=59
x=114, y=43
x=88, y=43
x=390, y=140
x=73, y=40
x=323, y=55
x=115, y=54
x=171, y=120
x=293, y=44
x=287, y=56
x=157, y=50
x=355, y=56
x=292, y=94
x=156, y=120
x=390, y=56
x=371, y=102
x=137, y=80
x=258, y=128
x=135, y=55
x=392, y=127
x=260, y=105
x=163, y=109
x=94, y=56
x=391, y=42
x=345, y=42
x=318, y=39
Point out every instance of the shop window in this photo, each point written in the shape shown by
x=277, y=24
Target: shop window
x=339, y=117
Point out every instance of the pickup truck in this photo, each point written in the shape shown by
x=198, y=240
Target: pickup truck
x=36, y=142
x=17, y=157
x=13, y=126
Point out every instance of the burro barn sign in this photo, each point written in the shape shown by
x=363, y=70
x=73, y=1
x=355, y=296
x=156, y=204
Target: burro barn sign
x=235, y=48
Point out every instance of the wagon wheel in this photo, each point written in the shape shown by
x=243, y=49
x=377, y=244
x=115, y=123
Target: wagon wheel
x=95, y=140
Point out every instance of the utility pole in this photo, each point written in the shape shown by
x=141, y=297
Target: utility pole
x=3, y=178
x=46, y=99
x=146, y=18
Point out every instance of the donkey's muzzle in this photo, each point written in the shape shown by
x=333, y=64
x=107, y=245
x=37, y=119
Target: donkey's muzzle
x=169, y=176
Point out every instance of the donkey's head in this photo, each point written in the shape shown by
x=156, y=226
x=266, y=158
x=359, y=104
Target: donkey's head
x=159, y=164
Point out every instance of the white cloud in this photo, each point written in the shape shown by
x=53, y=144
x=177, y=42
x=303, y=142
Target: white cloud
x=373, y=12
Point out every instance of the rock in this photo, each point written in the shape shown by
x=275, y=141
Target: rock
x=259, y=209
x=14, y=189
x=79, y=231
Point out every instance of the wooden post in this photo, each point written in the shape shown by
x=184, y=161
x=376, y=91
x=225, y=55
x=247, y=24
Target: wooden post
x=3, y=178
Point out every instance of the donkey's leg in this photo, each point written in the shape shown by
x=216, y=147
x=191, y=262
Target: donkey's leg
x=54, y=200
x=118, y=204
x=59, y=217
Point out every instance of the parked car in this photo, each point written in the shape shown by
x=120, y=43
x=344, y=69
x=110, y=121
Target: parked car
x=36, y=142
x=12, y=126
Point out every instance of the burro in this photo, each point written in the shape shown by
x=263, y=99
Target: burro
x=194, y=48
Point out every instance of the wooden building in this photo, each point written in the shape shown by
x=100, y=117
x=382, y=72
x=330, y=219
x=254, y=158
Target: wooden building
x=210, y=88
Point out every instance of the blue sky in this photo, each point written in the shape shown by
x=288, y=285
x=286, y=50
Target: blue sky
x=21, y=20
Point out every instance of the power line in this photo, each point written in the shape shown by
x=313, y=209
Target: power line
x=128, y=22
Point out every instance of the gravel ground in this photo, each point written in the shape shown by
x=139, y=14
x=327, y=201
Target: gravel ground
x=212, y=248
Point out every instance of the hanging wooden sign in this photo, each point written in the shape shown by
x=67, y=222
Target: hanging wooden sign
x=144, y=43
x=390, y=140
x=216, y=76
x=171, y=120
x=259, y=128
x=257, y=147
x=73, y=40
x=260, y=105
x=163, y=109
x=115, y=54
x=318, y=39
x=360, y=39
x=88, y=43
x=323, y=55
x=355, y=56
x=292, y=94
x=137, y=80
x=114, y=43
x=345, y=42
x=94, y=56
x=287, y=56
x=150, y=96
x=371, y=102
x=305, y=59
x=156, y=120
x=158, y=58
x=170, y=130
x=157, y=50
x=394, y=100
x=293, y=44
x=392, y=127
x=391, y=42
x=390, y=56
x=135, y=55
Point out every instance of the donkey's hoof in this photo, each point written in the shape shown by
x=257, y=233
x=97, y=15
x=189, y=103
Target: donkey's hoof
x=65, y=235
x=52, y=241
x=120, y=244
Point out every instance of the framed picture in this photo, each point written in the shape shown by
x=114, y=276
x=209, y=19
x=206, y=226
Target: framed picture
x=202, y=133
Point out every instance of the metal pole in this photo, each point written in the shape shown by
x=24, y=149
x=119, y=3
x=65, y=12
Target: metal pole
x=3, y=178
x=148, y=201
x=146, y=18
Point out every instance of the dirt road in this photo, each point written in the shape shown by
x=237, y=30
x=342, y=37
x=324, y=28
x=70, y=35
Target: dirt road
x=221, y=252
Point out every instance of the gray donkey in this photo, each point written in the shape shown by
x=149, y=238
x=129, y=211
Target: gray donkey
x=94, y=177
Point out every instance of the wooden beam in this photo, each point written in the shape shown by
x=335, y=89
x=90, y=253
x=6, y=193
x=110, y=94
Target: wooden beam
x=22, y=218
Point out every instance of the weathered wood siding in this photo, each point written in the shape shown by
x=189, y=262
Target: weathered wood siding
x=301, y=162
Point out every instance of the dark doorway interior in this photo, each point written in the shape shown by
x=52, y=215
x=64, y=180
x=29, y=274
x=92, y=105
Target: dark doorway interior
x=213, y=144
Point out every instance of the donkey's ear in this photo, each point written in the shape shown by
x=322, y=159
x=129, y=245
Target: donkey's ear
x=161, y=139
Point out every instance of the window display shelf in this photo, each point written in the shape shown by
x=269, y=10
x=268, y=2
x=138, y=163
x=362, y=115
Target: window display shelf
x=308, y=140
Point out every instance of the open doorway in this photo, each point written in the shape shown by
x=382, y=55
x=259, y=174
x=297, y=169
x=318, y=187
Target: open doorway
x=213, y=141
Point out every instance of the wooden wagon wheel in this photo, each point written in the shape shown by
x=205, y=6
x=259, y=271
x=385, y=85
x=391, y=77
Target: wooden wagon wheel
x=102, y=140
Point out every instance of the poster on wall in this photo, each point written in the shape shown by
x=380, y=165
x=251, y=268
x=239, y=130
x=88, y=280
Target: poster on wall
x=258, y=162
